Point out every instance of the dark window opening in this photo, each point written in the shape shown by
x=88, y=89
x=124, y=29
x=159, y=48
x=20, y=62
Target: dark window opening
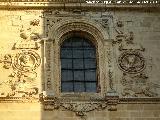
x=78, y=65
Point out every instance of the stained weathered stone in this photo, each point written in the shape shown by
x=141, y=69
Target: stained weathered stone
x=126, y=38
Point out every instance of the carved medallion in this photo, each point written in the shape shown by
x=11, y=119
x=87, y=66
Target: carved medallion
x=27, y=61
x=131, y=62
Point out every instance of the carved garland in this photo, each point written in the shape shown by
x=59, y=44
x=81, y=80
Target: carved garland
x=80, y=108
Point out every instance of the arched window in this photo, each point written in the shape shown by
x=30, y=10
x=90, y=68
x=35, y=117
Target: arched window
x=78, y=65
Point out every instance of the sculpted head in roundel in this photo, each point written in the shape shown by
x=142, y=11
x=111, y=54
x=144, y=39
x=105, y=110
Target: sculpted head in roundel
x=26, y=61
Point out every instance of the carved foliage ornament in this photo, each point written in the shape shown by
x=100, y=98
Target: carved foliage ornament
x=80, y=108
x=7, y=61
x=131, y=62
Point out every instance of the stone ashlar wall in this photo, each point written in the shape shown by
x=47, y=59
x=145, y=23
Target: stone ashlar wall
x=21, y=32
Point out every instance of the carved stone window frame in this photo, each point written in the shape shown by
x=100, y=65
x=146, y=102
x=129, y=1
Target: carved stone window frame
x=52, y=65
x=77, y=102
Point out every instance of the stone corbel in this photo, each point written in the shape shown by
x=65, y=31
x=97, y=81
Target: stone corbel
x=112, y=99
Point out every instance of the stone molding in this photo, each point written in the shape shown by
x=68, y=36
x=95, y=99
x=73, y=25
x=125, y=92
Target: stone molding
x=79, y=107
x=86, y=25
x=79, y=4
x=80, y=103
x=91, y=1
x=57, y=33
x=139, y=100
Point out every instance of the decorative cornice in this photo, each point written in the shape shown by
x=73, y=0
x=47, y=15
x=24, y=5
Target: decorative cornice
x=78, y=4
x=18, y=100
x=91, y=1
x=81, y=107
x=139, y=100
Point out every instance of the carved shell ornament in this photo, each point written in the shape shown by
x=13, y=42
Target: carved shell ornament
x=27, y=61
x=131, y=62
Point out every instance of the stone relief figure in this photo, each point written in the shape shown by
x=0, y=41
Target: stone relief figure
x=129, y=44
x=29, y=36
x=136, y=86
x=30, y=33
x=17, y=88
x=124, y=39
x=119, y=28
x=129, y=39
x=25, y=61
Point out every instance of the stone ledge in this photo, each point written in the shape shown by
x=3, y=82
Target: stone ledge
x=18, y=100
x=139, y=100
x=65, y=5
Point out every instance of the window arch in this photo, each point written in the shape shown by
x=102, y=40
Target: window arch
x=78, y=65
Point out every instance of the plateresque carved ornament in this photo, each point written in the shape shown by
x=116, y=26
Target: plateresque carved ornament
x=80, y=108
x=29, y=36
x=137, y=86
x=20, y=83
x=27, y=61
x=7, y=61
x=131, y=62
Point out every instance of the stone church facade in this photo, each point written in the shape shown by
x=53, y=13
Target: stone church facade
x=121, y=39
